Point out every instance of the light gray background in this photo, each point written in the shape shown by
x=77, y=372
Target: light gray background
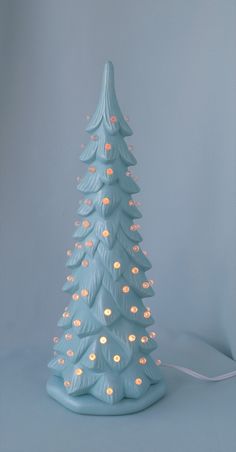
x=175, y=71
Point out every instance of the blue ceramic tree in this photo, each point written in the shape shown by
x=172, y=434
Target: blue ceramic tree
x=102, y=363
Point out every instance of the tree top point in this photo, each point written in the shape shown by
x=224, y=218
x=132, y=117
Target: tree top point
x=108, y=107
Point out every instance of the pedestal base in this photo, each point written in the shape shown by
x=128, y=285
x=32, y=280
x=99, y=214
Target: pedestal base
x=87, y=404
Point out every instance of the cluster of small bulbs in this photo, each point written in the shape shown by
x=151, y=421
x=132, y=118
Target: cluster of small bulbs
x=135, y=227
x=109, y=390
x=131, y=338
x=105, y=233
x=116, y=265
x=144, y=284
x=103, y=340
x=116, y=359
x=108, y=312
x=108, y=171
x=78, y=245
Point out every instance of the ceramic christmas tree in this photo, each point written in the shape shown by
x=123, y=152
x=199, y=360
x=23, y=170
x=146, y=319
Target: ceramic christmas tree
x=102, y=363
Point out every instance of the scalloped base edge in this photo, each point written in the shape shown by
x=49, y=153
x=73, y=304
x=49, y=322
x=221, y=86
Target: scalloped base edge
x=87, y=404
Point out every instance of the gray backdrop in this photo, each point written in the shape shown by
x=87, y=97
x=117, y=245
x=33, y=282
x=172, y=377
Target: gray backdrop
x=175, y=76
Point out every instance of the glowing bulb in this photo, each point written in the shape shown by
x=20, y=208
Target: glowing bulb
x=78, y=245
x=75, y=296
x=92, y=356
x=144, y=339
x=70, y=278
x=109, y=171
x=152, y=334
x=133, y=309
x=69, y=253
x=85, y=224
x=84, y=292
x=113, y=119
x=76, y=322
x=85, y=263
x=106, y=201
x=109, y=391
x=158, y=362
x=116, y=358
x=107, y=146
x=125, y=289
x=135, y=270
x=134, y=227
x=70, y=353
x=138, y=381
x=107, y=312
x=89, y=243
x=147, y=314
x=61, y=361
x=145, y=284
x=68, y=336
x=116, y=265
x=132, y=337
x=78, y=371
x=55, y=339
x=142, y=360
x=135, y=248
x=103, y=340
x=67, y=383
x=105, y=233
x=66, y=315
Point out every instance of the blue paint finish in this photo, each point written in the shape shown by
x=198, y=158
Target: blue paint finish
x=133, y=384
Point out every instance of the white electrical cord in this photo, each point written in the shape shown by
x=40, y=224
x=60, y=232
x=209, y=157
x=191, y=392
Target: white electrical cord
x=194, y=374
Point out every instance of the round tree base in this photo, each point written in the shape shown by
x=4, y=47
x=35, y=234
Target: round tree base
x=87, y=404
